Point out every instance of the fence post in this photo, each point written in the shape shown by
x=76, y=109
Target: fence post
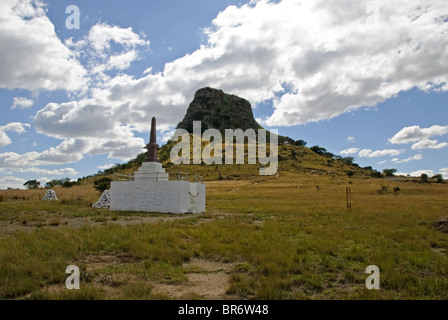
x=348, y=191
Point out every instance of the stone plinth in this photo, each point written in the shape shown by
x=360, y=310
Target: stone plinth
x=151, y=171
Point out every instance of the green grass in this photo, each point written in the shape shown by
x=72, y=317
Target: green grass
x=291, y=240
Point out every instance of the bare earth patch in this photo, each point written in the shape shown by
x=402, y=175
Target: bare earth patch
x=206, y=280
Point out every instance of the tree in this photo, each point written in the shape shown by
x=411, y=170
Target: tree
x=350, y=173
x=424, y=178
x=389, y=172
x=300, y=142
x=52, y=183
x=102, y=184
x=318, y=150
x=348, y=160
x=438, y=178
x=32, y=184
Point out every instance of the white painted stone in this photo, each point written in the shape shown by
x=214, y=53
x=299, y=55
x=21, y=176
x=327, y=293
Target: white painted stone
x=151, y=171
x=104, y=201
x=50, y=195
x=151, y=191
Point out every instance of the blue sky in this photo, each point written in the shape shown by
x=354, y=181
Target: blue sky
x=366, y=79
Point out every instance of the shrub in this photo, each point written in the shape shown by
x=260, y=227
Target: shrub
x=389, y=172
x=350, y=173
x=102, y=184
x=424, y=178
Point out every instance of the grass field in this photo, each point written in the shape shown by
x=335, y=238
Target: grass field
x=284, y=237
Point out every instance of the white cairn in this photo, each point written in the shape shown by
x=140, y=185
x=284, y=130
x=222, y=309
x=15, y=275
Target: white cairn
x=50, y=195
x=104, y=201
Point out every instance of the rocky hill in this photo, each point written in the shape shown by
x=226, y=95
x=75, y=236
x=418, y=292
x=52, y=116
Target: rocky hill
x=218, y=110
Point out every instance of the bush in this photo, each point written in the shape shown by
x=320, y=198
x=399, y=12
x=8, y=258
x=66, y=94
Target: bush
x=389, y=172
x=350, y=173
x=300, y=142
x=376, y=174
x=102, y=184
x=424, y=178
x=348, y=160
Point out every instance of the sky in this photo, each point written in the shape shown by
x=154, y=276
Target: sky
x=366, y=79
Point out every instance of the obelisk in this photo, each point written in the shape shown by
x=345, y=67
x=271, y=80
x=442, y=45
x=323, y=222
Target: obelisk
x=152, y=146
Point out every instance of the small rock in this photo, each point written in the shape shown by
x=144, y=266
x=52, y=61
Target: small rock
x=442, y=224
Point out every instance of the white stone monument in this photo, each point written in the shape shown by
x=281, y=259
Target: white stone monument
x=152, y=191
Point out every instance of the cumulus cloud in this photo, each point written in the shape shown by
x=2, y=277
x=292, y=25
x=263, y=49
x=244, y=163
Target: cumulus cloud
x=415, y=133
x=349, y=151
x=21, y=103
x=101, y=35
x=11, y=182
x=350, y=139
x=444, y=172
x=106, y=166
x=16, y=127
x=416, y=157
x=57, y=172
x=428, y=144
x=418, y=173
x=368, y=153
x=33, y=57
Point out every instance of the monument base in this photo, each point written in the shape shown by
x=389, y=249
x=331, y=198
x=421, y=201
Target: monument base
x=152, y=192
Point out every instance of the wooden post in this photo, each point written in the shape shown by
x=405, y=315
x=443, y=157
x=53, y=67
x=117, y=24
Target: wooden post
x=348, y=191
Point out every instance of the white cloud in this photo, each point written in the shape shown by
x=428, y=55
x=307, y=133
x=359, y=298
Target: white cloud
x=429, y=144
x=33, y=57
x=106, y=166
x=415, y=133
x=21, y=103
x=101, y=35
x=350, y=139
x=381, y=162
x=349, y=151
x=57, y=172
x=416, y=157
x=16, y=127
x=444, y=173
x=11, y=182
x=368, y=153
x=418, y=173
x=122, y=61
